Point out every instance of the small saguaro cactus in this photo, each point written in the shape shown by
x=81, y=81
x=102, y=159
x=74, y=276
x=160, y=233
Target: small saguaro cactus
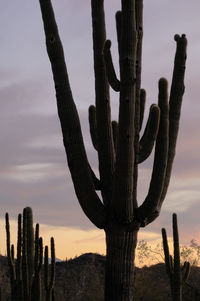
x=118, y=144
x=14, y=265
x=25, y=270
x=177, y=274
x=49, y=283
x=38, y=259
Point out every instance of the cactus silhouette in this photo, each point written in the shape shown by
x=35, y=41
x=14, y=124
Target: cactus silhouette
x=25, y=270
x=49, y=283
x=177, y=274
x=118, y=144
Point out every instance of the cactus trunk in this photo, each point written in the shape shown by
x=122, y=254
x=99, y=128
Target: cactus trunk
x=119, y=277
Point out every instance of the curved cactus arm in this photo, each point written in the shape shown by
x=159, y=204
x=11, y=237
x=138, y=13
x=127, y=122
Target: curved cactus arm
x=150, y=133
x=93, y=125
x=118, y=20
x=185, y=271
x=70, y=124
x=175, y=102
x=142, y=106
x=122, y=197
x=115, y=132
x=106, y=152
x=110, y=71
x=149, y=206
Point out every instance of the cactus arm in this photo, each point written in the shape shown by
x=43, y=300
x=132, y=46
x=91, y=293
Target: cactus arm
x=110, y=71
x=175, y=102
x=150, y=204
x=106, y=153
x=53, y=264
x=41, y=252
x=10, y=260
x=115, y=132
x=177, y=265
x=150, y=134
x=185, y=271
x=36, y=283
x=25, y=277
x=70, y=124
x=166, y=253
x=118, y=20
x=177, y=274
x=142, y=106
x=49, y=283
x=7, y=235
x=19, y=247
x=36, y=258
x=9, y=257
x=123, y=179
x=30, y=244
x=93, y=126
x=96, y=181
x=12, y=253
x=46, y=270
x=168, y=260
x=139, y=28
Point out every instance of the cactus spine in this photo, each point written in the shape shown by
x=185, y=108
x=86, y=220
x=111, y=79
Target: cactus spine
x=177, y=274
x=118, y=144
x=25, y=270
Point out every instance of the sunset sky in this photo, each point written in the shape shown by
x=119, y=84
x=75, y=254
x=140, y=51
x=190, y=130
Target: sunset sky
x=33, y=169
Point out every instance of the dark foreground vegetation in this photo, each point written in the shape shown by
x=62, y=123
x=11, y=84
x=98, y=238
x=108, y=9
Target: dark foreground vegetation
x=82, y=279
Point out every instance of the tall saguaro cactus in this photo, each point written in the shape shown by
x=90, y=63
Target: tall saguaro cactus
x=118, y=144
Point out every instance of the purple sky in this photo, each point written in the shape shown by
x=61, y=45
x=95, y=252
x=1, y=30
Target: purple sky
x=33, y=169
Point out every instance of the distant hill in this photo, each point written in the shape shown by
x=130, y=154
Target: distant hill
x=82, y=279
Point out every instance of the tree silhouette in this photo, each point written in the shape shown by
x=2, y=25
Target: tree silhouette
x=118, y=144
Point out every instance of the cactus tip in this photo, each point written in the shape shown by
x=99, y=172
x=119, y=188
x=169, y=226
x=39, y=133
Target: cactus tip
x=107, y=44
x=176, y=37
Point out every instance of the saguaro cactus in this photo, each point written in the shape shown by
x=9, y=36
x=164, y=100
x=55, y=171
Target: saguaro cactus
x=177, y=274
x=25, y=270
x=118, y=144
x=49, y=283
